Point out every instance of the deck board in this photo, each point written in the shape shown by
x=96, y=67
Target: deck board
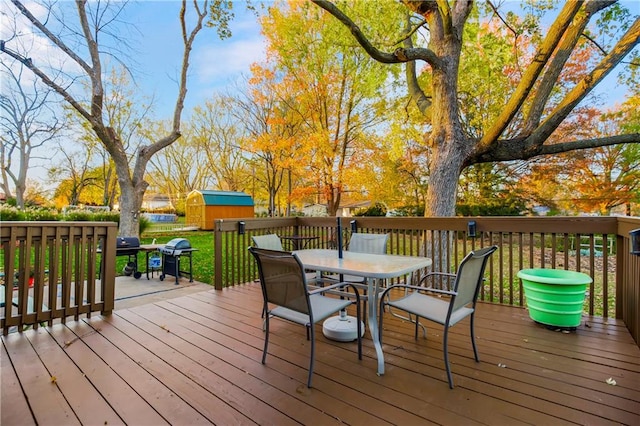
x=128, y=404
x=196, y=360
x=45, y=399
x=13, y=406
x=153, y=392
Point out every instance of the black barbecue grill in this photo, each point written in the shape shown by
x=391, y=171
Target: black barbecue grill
x=171, y=253
x=129, y=246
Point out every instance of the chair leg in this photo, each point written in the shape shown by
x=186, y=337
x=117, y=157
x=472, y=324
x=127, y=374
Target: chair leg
x=364, y=308
x=445, y=349
x=266, y=338
x=359, y=329
x=313, y=351
x=473, y=340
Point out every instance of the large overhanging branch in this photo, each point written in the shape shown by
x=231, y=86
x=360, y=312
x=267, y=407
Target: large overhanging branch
x=558, y=148
x=95, y=72
x=530, y=76
x=628, y=42
x=511, y=150
x=400, y=55
x=563, y=52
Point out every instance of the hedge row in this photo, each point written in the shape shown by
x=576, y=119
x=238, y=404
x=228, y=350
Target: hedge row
x=34, y=214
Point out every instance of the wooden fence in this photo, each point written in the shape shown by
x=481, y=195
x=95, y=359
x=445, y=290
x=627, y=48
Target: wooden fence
x=48, y=271
x=602, y=251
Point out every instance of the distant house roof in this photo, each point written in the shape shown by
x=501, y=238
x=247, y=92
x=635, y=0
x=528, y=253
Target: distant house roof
x=225, y=198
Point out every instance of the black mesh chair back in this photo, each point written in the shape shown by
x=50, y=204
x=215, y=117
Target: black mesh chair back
x=287, y=296
x=282, y=280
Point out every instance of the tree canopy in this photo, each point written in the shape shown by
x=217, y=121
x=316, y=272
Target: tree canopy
x=547, y=82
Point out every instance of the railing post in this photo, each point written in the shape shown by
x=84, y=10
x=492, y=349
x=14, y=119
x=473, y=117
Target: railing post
x=108, y=276
x=621, y=269
x=217, y=255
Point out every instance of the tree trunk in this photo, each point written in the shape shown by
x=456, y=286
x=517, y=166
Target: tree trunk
x=443, y=182
x=130, y=204
x=20, y=190
x=446, y=139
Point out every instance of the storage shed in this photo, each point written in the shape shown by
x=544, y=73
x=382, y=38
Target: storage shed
x=205, y=206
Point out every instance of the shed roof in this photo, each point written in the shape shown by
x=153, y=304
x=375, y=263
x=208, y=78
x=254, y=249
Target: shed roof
x=225, y=198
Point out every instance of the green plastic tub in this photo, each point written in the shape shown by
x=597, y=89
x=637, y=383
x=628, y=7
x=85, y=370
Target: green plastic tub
x=554, y=296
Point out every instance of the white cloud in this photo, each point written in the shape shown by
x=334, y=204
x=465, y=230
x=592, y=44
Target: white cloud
x=227, y=59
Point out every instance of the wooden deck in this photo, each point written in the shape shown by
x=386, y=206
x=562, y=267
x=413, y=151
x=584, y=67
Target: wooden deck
x=196, y=360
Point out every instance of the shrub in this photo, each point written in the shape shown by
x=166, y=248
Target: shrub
x=405, y=211
x=40, y=214
x=10, y=213
x=377, y=209
x=497, y=207
x=143, y=223
x=78, y=216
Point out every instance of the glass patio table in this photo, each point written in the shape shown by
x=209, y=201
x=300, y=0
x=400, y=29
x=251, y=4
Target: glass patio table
x=374, y=268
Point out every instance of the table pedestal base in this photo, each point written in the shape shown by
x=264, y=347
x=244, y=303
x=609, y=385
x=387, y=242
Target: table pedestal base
x=342, y=328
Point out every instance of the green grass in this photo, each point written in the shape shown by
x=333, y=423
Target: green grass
x=202, y=259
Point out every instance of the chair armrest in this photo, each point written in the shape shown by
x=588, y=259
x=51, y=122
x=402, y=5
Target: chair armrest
x=445, y=279
x=337, y=285
x=445, y=274
x=417, y=288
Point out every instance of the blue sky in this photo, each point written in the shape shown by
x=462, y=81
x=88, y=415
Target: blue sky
x=215, y=64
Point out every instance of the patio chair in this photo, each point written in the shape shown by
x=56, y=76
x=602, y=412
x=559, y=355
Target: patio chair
x=273, y=242
x=443, y=306
x=286, y=296
x=268, y=241
x=362, y=243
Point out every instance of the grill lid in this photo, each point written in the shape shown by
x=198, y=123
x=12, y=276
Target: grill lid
x=178, y=244
x=127, y=242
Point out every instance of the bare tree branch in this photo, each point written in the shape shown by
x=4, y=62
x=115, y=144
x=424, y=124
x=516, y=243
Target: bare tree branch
x=52, y=36
x=94, y=72
x=558, y=148
x=188, y=40
x=398, y=56
x=46, y=80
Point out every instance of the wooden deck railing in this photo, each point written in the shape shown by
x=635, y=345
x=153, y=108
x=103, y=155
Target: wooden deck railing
x=48, y=271
x=597, y=246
